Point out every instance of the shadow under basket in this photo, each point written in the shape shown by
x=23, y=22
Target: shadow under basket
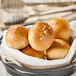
x=65, y=70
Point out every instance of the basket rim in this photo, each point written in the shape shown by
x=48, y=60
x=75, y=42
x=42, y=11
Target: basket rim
x=13, y=67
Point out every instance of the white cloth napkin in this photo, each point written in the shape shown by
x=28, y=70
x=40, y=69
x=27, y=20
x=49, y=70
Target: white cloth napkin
x=32, y=62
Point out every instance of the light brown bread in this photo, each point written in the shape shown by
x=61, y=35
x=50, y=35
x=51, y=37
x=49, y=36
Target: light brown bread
x=61, y=28
x=58, y=49
x=31, y=52
x=17, y=37
x=41, y=36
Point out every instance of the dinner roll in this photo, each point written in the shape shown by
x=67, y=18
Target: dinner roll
x=58, y=49
x=31, y=52
x=61, y=28
x=17, y=37
x=41, y=36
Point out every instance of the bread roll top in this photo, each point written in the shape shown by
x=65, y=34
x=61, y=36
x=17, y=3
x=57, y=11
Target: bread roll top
x=61, y=28
x=41, y=36
x=17, y=37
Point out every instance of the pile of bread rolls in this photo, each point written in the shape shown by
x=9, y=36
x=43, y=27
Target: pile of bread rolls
x=42, y=40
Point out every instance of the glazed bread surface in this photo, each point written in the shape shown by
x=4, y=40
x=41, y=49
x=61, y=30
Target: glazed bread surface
x=58, y=50
x=31, y=52
x=41, y=36
x=61, y=28
x=17, y=37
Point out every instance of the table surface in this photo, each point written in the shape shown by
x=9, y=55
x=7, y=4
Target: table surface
x=3, y=71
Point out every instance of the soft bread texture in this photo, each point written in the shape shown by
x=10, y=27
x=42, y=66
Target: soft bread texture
x=58, y=49
x=17, y=37
x=31, y=52
x=41, y=36
x=61, y=28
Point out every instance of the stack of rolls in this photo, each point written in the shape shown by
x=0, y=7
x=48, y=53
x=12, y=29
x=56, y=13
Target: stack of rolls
x=42, y=40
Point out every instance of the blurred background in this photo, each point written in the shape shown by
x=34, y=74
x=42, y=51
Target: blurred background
x=29, y=11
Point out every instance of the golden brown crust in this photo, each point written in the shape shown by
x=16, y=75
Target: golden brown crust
x=41, y=36
x=61, y=28
x=17, y=37
x=58, y=49
x=31, y=52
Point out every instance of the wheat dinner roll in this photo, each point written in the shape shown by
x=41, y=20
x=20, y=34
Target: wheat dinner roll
x=58, y=49
x=41, y=36
x=31, y=52
x=61, y=28
x=17, y=37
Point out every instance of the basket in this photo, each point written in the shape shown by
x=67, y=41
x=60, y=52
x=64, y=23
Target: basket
x=65, y=70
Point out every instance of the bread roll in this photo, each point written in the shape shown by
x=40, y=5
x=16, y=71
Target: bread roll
x=41, y=36
x=17, y=37
x=31, y=52
x=58, y=49
x=61, y=28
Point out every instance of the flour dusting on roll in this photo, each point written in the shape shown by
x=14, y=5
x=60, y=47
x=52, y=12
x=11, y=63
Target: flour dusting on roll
x=41, y=36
